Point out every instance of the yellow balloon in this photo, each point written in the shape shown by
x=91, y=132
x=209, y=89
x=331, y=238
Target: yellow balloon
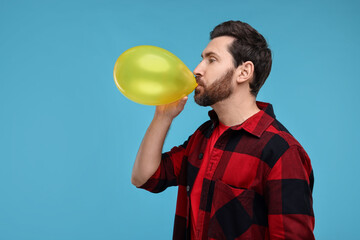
x=152, y=76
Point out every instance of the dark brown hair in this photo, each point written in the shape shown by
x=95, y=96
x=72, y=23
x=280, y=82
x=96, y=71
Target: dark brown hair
x=249, y=45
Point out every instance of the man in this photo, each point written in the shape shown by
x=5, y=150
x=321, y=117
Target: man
x=241, y=175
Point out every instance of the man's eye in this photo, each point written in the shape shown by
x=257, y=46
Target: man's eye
x=212, y=60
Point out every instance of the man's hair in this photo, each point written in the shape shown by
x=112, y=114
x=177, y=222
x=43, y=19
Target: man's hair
x=249, y=45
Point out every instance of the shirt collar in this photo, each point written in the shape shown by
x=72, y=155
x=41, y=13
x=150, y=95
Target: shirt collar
x=256, y=124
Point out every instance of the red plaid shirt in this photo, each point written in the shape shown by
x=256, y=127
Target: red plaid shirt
x=257, y=185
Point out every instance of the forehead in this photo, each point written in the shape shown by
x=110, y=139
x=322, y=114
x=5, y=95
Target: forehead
x=219, y=46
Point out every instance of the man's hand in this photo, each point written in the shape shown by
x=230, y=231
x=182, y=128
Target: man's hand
x=171, y=110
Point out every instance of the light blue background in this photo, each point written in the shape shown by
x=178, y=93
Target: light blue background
x=68, y=138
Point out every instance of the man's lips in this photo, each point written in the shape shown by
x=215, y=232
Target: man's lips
x=199, y=81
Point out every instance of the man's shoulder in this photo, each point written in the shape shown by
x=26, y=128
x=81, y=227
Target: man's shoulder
x=275, y=142
x=278, y=140
x=281, y=132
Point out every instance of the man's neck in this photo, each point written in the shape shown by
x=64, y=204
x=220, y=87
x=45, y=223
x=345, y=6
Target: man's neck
x=236, y=109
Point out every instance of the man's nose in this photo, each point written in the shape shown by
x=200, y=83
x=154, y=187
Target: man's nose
x=198, y=71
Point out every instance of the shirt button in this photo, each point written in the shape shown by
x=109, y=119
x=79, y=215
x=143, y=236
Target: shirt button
x=201, y=155
x=187, y=188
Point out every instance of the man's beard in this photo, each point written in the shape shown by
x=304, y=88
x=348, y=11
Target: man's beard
x=219, y=90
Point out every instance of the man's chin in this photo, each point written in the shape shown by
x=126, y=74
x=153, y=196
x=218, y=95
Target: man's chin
x=200, y=100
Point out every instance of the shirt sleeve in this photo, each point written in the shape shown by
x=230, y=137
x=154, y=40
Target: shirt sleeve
x=288, y=194
x=168, y=171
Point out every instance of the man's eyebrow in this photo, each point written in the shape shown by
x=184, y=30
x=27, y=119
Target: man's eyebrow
x=208, y=54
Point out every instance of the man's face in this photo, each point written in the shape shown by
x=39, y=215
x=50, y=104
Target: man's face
x=214, y=74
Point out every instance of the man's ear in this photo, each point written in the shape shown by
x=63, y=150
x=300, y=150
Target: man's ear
x=245, y=72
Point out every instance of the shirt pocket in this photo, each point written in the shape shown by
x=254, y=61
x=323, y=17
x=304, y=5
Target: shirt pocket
x=233, y=213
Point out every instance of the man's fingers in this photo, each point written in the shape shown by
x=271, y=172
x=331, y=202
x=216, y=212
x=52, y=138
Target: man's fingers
x=184, y=100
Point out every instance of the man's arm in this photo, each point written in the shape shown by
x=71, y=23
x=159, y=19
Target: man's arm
x=149, y=155
x=289, y=197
